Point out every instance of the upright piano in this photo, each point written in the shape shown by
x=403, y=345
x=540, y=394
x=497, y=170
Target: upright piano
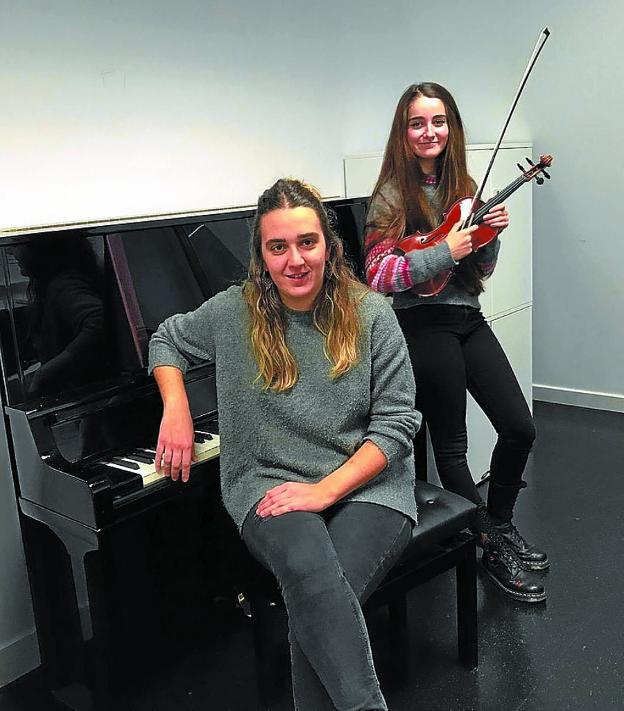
x=81, y=416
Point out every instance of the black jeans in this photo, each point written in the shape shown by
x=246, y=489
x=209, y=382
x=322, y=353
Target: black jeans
x=453, y=350
x=327, y=565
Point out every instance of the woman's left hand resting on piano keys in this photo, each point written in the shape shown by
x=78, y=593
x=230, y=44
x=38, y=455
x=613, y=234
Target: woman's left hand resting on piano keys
x=174, y=451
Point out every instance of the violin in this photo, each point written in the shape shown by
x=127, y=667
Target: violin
x=469, y=211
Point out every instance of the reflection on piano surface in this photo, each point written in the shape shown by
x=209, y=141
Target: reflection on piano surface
x=64, y=315
x=82, y=417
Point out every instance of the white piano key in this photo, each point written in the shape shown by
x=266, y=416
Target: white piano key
x=203, y=452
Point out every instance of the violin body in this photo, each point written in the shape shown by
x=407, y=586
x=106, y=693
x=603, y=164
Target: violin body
x=459, y=211
x=468, y=211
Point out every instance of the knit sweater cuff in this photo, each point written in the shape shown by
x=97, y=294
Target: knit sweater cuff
x=161, y=355
x=426, y=263
x=389, y=446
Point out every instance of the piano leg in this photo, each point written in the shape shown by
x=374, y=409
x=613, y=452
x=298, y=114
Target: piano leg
x=74, y=623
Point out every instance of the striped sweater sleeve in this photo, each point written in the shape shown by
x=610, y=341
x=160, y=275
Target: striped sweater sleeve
x=386, y=270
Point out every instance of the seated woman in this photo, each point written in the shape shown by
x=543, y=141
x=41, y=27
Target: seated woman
x=316, y=417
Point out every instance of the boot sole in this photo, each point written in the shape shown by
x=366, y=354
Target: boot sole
x=516, y=594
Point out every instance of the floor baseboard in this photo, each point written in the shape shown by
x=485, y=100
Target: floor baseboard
x=612, y=402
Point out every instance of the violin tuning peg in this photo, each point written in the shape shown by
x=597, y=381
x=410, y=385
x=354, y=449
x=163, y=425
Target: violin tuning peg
x=520, y=167
x=545, y=174
x=539, y=180
x=530, y=162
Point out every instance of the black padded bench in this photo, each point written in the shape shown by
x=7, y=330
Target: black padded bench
x=439, y=543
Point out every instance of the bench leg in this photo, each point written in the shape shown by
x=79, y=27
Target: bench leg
x=270, y=650
x=467, y=633
x=397, y=611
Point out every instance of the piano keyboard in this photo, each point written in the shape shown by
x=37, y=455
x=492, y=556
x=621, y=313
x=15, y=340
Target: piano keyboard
x=141, y=461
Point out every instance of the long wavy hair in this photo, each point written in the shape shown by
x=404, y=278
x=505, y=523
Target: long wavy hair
x=335, y=310
x=402, y=168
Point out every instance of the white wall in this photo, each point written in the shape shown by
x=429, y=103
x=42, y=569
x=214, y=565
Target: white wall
x=115, y=108
x=129, y=107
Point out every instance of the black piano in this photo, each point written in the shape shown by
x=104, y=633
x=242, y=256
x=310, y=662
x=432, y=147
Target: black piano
x=81, y=420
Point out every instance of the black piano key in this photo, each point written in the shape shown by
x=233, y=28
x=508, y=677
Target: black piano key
x=141, y=457
x=134, y=459
x=125, y=463
x=200, y=439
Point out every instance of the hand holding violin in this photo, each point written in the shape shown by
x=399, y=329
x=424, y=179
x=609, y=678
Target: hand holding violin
x=459, y=241
x=497, y=218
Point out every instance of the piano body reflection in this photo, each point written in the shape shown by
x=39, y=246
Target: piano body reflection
x=81, y=416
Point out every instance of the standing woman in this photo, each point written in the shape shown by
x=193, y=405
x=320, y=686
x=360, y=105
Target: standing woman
x=452, y=348
x=316, y=418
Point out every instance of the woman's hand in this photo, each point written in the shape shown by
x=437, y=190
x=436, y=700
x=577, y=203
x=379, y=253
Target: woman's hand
x=294, y=496
x=174, y=452
x=497, y=218
x=459, y=241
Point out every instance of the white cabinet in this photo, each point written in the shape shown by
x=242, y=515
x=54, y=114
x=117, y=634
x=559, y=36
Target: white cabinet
x=510, y=287
x=507, y=301
x=514, y=334
x=481, y=440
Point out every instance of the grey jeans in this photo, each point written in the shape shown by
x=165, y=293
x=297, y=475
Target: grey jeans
x=327, y=565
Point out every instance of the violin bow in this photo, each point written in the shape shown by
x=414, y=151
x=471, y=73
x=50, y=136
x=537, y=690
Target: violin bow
x=541, y=40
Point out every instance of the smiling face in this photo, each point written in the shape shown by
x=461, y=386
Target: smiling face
x=427, y=130
x=294, y=254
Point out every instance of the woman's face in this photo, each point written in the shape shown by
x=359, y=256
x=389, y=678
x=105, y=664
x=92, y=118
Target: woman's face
x=294, y=254
x=427, y=130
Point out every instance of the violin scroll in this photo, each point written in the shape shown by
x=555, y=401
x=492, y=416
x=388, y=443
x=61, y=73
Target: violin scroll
x=535, y=170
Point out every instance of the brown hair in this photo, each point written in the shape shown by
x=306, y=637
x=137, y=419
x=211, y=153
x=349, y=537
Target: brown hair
x=335, y=312
x=402, y=168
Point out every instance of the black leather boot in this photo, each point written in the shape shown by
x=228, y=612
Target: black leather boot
x=501, y=564
x=529, y=557
x=501, y=501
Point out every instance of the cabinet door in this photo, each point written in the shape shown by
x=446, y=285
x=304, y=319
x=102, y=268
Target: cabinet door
x=481, y=440
x=514, y=333
x=511, y=284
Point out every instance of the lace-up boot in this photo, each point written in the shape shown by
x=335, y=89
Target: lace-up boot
x=501, y=501
x=529, y=557
x=501, y=564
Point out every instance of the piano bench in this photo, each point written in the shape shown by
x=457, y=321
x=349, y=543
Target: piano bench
x=439, y=543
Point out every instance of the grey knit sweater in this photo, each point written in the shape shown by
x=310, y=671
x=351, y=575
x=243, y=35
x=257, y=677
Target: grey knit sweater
x=303, y=434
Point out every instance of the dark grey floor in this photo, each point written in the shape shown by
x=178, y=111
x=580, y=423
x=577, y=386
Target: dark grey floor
x=567, y=654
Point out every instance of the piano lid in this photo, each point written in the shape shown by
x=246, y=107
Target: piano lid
x=78, y=306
